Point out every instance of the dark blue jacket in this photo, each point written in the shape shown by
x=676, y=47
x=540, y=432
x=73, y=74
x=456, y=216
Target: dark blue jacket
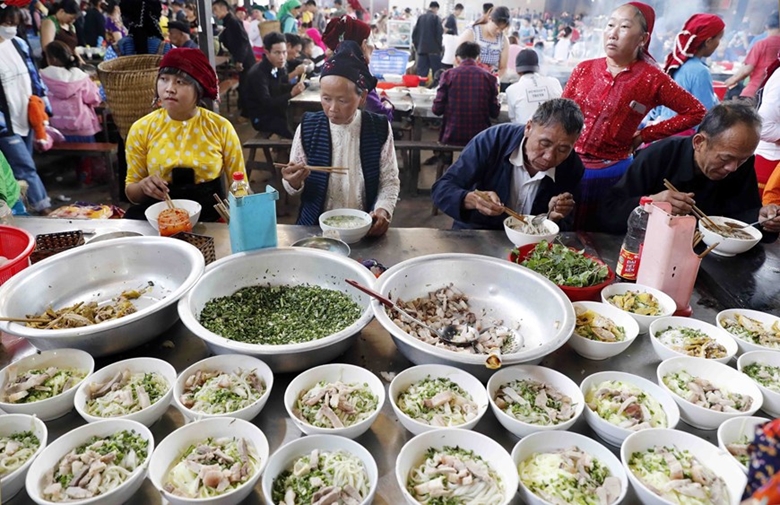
x=484, y=164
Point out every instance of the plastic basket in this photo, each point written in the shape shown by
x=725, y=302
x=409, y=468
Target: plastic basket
x=52, y=243
x=15, y=245
x=388, y=61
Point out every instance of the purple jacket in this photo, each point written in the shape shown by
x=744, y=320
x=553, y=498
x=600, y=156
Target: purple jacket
x=378, y=106
x=73, y=98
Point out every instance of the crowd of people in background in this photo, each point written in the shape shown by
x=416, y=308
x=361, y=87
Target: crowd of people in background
x=629, y=87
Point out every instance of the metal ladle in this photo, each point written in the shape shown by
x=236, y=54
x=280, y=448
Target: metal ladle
x=449, y=334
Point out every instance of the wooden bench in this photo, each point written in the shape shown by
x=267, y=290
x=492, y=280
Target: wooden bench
x=105, y=149
x=407, y=147
x=263, y=142
x=226, y=88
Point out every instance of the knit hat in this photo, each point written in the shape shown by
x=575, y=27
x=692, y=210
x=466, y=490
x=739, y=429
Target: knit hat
x=649, y=14
x=527, y=61
x=195, y=64
x=697, y=30
x=348, y=62
x=345, y=28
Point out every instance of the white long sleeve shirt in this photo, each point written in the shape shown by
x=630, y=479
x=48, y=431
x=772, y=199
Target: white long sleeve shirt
x=769, y=146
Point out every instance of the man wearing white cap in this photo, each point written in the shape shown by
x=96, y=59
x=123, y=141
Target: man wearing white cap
x=533, y=88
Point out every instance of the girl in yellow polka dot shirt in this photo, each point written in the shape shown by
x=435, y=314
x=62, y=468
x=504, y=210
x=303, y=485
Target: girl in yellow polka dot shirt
x=181, y=149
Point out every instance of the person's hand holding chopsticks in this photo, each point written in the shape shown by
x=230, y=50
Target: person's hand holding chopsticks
x=682, y=203
x=490, y=206
x=295, y=174
x=154, y=186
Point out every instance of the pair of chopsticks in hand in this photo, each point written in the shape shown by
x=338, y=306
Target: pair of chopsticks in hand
x=507, y=210
x=222, y=208
x=169, y=202
x=697, y=236
x=328, y=170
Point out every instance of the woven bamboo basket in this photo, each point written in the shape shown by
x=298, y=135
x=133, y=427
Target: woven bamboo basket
x=129, y=83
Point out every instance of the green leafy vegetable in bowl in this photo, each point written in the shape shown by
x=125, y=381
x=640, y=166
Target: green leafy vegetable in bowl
x=564, y=266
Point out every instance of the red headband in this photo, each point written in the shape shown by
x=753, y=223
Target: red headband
x=195, y=64
x=649, y=14
x=345, y=28
x=697, y=30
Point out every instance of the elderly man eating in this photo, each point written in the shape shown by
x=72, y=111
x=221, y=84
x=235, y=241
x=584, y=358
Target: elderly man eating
x=712, y=169
x=529, y=168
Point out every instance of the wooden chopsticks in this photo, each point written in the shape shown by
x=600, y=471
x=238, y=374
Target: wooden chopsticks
x=507, y=210
x=697, y=211
x=169, y=202
x=329, y=170
x=709, y=250
x=222, y=208
x=697, y=238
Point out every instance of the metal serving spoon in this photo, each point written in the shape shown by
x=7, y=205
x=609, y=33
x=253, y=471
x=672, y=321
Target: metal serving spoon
x=457, y=335
x=741, y=227
x=540, y=218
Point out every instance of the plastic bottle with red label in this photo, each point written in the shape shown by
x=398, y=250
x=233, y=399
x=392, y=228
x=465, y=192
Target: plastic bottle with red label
x=631, y=251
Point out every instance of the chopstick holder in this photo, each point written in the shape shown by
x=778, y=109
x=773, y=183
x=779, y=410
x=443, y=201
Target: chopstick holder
x=253, y=221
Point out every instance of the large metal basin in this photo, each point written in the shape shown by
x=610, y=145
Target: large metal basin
x=505, y=290
x=99, y=272
x=289, y=266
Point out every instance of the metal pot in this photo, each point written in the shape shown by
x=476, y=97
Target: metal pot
x=504, y=290
x=99, y=272
x=288, y=266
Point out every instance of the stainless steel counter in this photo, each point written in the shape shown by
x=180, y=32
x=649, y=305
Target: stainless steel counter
x=373, y=350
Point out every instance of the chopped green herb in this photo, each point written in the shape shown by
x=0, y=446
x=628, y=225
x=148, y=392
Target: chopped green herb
x=276, y=315
x=564, y=266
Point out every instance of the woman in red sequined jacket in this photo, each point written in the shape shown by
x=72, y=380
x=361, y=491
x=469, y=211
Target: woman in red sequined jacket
x=615, y=93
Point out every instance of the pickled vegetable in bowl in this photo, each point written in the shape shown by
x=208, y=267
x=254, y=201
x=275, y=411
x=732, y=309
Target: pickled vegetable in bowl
x=644, y=304
x=594, y=326
x=173, y=221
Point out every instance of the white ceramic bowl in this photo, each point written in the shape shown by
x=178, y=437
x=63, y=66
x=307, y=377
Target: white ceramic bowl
x=721, y=336
x=50, y=456
x=734, y=429
x=348, y=235
x=465, y=380
x=413, y=454
x=11, y=483
x=174, y=445
x=744, y=345
x=227, y=363
x=667, y=304
x=146, y=416
x=612, y=434
x=771, y=398
x=59, y=405
x=729, y=246
x=596, y=350
x=713, y=458
x=721, y=376
x=520, y=239
x=396, y=93
x=349, y=374
x=192, y=207
x=542, y=443
x=539, y=374
x=286, y=455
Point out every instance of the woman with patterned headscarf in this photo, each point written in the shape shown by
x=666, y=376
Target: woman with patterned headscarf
x=351, y=29
x=288, y=14
x=344, y=136
x=615, y=93
x=699, y=39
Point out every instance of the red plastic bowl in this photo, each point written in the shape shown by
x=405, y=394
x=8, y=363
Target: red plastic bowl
x=590, y=293
x=16, y=245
